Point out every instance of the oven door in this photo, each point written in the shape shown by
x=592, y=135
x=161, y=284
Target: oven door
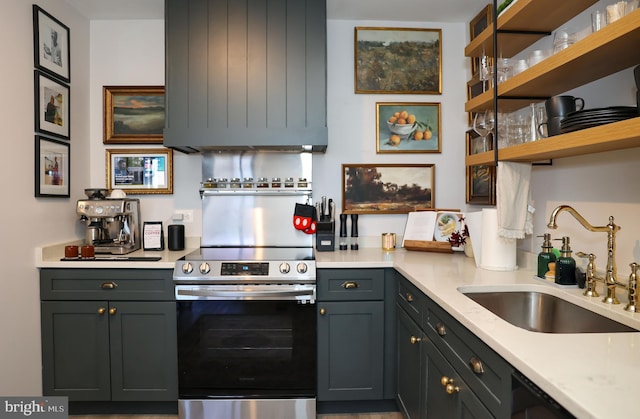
x=246, y=349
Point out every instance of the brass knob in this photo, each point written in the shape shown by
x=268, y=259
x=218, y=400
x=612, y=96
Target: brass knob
x=113, y=310
x=323, y=311
x=409, y=297
x=349, y=285
x=102, y=310
x=448, y=385
x=441, y=329
x=476, y=365
x=109, y=285
x=414, y=340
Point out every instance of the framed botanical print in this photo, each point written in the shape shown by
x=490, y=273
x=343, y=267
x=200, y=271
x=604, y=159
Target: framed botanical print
x=481, y=185
x=51, y=45
x=52, y=166
x=52, y=102
x=407, y=127
x=398, y=60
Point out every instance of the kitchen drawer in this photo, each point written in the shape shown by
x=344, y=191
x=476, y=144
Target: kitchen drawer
x=412, y=300
x=350, y=284
x=493, y=384
x=106, y=284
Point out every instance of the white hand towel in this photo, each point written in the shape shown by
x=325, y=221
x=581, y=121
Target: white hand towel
x=513, y=195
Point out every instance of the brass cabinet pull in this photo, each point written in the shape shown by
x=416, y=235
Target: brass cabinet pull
x=323, y=311
x=448, y=384
x=409, y=297
x=414, y=340
x=476, y=365
x=441, y=329
x=102, y=310
x=349, y=285
x=113, y=310
x=109, y=285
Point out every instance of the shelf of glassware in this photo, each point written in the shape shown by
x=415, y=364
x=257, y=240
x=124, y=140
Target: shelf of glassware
x=541, y=16
x=602, y=53
x=609, y=137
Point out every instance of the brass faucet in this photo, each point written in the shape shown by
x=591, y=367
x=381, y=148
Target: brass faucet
x=611, y=229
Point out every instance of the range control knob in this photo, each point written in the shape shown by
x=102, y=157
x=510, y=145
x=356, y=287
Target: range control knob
x=204, y=268
x=284, y=268
x=187, y=268
x=302, y=268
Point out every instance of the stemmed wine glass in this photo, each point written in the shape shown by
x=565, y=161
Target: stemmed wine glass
x=483, y=124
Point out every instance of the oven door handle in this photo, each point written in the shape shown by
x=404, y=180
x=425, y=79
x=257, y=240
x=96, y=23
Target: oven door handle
x=246, y=294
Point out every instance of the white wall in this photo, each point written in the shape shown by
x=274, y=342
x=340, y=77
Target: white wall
x=28, y=222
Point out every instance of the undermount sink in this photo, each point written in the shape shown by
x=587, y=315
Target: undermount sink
x=546, y=313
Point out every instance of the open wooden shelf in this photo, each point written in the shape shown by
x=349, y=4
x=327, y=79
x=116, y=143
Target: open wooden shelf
x=614, y=136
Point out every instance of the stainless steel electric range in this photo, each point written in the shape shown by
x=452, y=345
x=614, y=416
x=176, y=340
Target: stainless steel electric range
x=246, y=299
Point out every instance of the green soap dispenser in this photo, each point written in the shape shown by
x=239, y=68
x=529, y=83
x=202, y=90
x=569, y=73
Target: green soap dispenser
x=565, y=265
x=545, y=256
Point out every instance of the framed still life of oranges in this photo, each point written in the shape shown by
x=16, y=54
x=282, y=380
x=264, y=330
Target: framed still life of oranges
x=408, y=127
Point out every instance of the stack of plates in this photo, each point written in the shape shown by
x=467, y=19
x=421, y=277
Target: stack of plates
x=588, y=118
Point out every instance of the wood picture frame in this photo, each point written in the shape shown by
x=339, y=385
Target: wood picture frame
x=387, y=188
x=140, y=171
x=52, y=106
x=133, y=114
x=52, y=168
x=475, y=144
x=481, y=185
x=408, y=127
x=51, y=45
x=481, y=21
x=381, y=54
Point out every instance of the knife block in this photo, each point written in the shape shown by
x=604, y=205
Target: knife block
x=325, y=236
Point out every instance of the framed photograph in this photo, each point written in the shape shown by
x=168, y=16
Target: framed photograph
x=475, y=143
x=52, y=100
x=133, y=114
x=481, y=21
x=52, y=165
x=51, y=45
x=398, y=60
x=141, y=171
x=481, y=185
x=408, y=128
x=387, y=188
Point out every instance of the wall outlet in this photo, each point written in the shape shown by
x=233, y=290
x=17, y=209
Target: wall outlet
x=186, y=216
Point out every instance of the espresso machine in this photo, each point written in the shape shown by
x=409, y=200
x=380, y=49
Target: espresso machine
x=112, y=225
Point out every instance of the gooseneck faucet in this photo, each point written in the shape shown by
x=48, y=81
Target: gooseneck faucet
x=611, y=229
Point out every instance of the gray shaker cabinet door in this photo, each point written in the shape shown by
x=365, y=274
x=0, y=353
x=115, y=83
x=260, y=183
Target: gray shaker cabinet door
x=350, y=350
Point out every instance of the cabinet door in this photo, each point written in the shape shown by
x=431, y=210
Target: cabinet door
x=143, y=351
x=409, y=366
x=75, y=350
x=350, y=350
x=455, y=401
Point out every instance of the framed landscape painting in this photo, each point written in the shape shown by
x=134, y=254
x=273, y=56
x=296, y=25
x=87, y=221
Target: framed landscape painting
x=133, y=114
x=398, y=60
x=387, y=188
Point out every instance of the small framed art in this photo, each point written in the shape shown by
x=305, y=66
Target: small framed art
x=52, y=101
x=140, y=171
x=52, y=165
x=133, y=114
x=387, y=188
x=51, y=45
x=481, y=185
x=407, y=127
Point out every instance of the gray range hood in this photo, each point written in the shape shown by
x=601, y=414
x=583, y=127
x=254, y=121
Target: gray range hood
x=245, y=75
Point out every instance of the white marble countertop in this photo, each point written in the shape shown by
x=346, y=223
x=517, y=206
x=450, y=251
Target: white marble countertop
x=593, y=375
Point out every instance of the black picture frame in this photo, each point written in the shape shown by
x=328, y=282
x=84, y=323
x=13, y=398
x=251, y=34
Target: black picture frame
x=52, y=100
x=51, y=45
x=152, y=235
x=52, y=168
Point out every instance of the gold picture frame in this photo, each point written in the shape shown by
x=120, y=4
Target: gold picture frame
x=481, y=185
x=408, y=127
x=140, y=171
x=133, y=114
x=382, y=54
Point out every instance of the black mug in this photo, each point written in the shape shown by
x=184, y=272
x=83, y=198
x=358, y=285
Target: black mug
x=176, y=236
x=563, y=105
x=552, y=126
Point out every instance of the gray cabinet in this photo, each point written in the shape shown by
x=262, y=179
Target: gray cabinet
x=245, y=74
x=354, y=358
x=109, y=334
x=443, y=370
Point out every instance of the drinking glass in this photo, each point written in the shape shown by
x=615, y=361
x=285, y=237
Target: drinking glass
x=483, y=124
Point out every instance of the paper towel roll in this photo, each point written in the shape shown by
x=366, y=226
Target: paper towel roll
x=498, y=253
